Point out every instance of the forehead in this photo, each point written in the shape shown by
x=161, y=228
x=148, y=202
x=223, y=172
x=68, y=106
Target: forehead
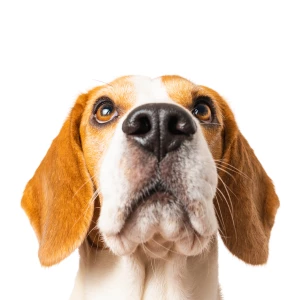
x=137, y=90
x=163, y=89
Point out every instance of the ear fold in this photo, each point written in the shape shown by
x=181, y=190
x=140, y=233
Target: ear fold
x=247, y=214
x=57, y=198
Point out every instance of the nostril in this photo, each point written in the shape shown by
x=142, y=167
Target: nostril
x=137, y=126
x=144, y=126
x=175, y=127
x=181, y=127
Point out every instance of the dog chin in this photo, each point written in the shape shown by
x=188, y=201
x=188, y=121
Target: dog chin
x=160, y=225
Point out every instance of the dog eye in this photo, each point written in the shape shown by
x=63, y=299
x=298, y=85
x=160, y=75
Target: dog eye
x=202, y=112
x=105, y=112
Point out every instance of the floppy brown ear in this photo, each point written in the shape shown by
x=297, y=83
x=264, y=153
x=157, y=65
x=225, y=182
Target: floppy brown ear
x=247, y=214
x=56, y=199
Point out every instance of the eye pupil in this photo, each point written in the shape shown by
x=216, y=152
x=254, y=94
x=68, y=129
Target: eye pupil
x=202, y=112
x=201, y=109
x=105, y=111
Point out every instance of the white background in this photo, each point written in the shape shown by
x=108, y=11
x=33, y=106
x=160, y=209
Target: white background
x=52, y=51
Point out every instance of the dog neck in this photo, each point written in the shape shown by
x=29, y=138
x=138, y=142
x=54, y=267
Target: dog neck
x=103, y=275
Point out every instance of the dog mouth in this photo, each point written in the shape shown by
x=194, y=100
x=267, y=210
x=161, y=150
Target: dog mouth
x=158, y=223
x=159, y=218
x=156, y=192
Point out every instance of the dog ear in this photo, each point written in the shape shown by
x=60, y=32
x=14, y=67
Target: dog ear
x=57, y=198
x=246, y=202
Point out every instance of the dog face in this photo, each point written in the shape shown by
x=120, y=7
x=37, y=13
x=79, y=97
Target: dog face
x=155, y=175
x=168, y=166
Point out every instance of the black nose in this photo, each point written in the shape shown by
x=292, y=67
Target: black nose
x=159, y=127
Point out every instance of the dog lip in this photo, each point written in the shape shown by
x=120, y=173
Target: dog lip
x=158, y=187
x=146, y=193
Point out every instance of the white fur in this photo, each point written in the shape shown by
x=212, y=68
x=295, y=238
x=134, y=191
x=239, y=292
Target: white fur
x=150, y=91
x=155, y=254
x=103, y=275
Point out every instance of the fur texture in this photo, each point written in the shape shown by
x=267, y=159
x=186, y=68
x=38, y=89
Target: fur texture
x=90, y=190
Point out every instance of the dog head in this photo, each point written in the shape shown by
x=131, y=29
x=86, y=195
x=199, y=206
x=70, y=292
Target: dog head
x=158, y=165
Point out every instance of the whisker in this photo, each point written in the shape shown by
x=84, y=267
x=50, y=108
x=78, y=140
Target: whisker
x=94, y=244
x=221, y=216
x=197, y=237
x=90, y=179
x=187, y=233
x=232, y=168
x=219, y=168
x=216, y=211
x=155, y=255
x=228, y=188
x=175, y=252
x=95, y=227
x=225, y=186
x=231, y=212
x=90, y=202
x=108, y=84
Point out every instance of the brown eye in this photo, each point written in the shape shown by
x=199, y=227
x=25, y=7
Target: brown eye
x=202, y=112
x=105, y=112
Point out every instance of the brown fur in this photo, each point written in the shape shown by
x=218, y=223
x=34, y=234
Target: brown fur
x=57, y=199
x=254, y=202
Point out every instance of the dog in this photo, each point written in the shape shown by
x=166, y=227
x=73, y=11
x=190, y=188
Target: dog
x=141, y=178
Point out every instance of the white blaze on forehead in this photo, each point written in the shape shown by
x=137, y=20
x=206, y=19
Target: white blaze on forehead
x=150, y=90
